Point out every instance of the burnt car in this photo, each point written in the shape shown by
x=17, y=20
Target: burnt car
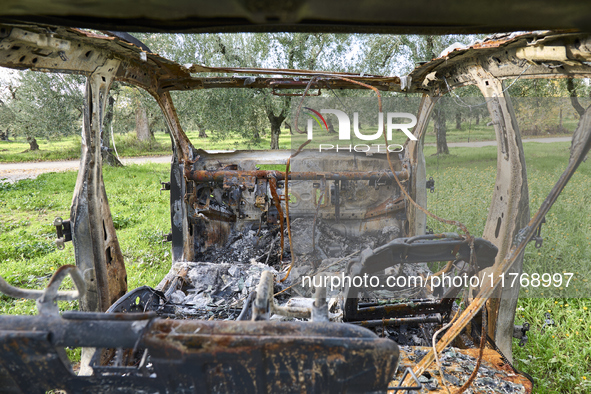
x=158, y=339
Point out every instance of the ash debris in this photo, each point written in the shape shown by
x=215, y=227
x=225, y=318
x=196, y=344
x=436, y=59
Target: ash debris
x=243, y=246
x=216, y=290
x=457, y=366
x=220, y=282
x=312, y=246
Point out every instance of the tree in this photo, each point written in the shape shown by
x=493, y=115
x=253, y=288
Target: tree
x=43, y=105
x=248, y=112
x=399, y=54
x=440, y=130
x=142, y=128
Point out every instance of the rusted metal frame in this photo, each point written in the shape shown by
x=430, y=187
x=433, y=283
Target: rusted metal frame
x=307, y=357
x=69, y=51
x=401, y=321
x=46, y=299
x=509, y=210
x=416, y=219
x=197, y=83
x=183, y=157
x=581, y=146
x=214, y=354
x=231, y=177
x=277, y=203
x=84, y=329
x=413, y=250
x=34, y=48
x=76, y=51
x=395, y=311
x=275, y=93
x=504, y=60
x=197, y=68
x=96, y=247
x=389, y=206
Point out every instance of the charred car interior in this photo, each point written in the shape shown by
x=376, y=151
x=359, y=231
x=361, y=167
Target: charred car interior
x=248, y=235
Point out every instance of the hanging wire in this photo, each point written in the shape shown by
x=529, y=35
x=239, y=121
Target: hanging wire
x=113, y=139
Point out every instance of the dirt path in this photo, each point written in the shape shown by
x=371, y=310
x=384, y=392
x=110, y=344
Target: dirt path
x=15, y=171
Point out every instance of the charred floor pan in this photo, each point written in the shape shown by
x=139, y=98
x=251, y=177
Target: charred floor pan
x=494, y=375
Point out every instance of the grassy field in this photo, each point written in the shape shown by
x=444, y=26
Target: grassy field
x=559, y=358
x=127, y=145
x=464, y=182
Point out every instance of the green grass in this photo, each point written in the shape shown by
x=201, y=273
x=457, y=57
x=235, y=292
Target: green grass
x=559, y=358
x=470, y=132
x=28, y=255
x=68, y=148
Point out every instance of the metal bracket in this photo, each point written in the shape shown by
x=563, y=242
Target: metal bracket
x=63, y=230
x=538, y=237
x=407, y=372
x=520, y=332
x=165, y=186
x=431, y=184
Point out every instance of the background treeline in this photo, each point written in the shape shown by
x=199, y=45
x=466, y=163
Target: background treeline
x=35, y=105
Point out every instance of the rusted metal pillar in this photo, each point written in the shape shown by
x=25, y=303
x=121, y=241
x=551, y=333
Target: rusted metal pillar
x=417, y=219
x=509, y=209
x=183, y=248
x=96, y=247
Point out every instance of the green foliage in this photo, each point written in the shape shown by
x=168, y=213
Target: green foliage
x=389, y=54
x=246, y=112
x=42, y=105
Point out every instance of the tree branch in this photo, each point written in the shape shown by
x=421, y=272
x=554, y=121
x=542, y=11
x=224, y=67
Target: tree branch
x=570, y=86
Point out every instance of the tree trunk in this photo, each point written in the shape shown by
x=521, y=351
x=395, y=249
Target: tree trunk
x=570, y=86
x=109, y=158
x=429, y=48
x=440, y=131
x=331, y=129
x=108, y=121
x=33, y=145
x=477, y=119
x=201, y=130
x=106, y=151
x=3, y=136
x=288, y=126
x=276, y=122
x=256, y=136
x=458, y=121
x=141, y=124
